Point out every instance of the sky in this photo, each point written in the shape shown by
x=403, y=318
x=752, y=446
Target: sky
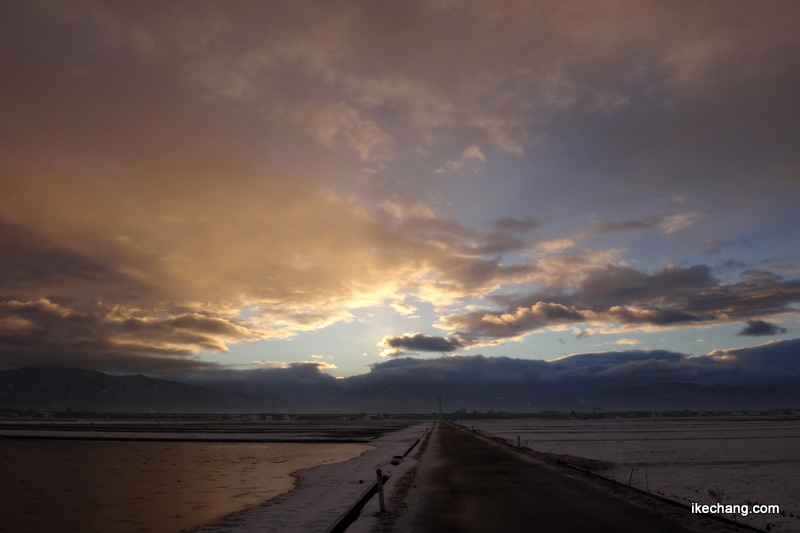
x=341, y=186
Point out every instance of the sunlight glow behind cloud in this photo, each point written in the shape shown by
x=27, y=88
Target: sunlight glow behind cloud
x=184, y=186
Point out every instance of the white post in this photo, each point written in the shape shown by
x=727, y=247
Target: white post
x=380, y=490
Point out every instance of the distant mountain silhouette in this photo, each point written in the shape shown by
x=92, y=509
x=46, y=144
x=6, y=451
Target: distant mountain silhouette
x=58, y=388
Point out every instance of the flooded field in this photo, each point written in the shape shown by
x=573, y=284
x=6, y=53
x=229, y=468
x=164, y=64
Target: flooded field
x=746, y=461
x=190, y=430
x=159, y=487
x=160, y=476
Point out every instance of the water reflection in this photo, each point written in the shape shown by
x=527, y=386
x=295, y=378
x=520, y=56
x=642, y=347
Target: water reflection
x=145, y=486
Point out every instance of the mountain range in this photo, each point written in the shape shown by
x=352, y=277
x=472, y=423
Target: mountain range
x=59, y=389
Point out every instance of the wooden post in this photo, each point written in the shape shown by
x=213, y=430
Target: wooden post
x=380, y=490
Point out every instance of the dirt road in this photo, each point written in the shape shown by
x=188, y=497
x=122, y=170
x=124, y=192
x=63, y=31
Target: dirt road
x=467, y=484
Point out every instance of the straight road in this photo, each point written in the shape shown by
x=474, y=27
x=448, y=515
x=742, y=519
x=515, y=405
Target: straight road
x=468, y=484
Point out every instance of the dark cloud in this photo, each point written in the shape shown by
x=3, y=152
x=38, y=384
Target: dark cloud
x=290, y=387
x=667, y=223
x=753, y=297
x=621, y=295
x=637, y=379
x=476, y=327
x=498, y=243
x=607, y=226
x=732, y=265
x=633, y=379
x=715, y=246
x=623, y=369
x=771, y=362
x=516, y=225
x=763, y=376
x=32, y=266
x=757, y=328
x=619, y=285
x=452, y=369
x=656, y=317
x=420, y=342
x=774, y=362
x=42, y=332
x=209, y=325
x=263, y=379
x=606, y=359
x=298, y=373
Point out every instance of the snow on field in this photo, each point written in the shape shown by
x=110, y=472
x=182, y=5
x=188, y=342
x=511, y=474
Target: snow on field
x=748, y=460
x=324, y=494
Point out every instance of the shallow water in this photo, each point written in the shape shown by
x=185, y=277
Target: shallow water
x=145, y=486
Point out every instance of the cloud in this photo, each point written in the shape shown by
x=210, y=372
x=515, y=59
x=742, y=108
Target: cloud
x=418, y=342
x=32, y=265
x=426, y=106
x=471, y=158
x=600, y=362
x=757, y=328
x=771, y=362
x=102, y=338
x=516, y=225
x=666, y=223
x=320, y=365
x=620, y=298
x=403, y=309
x=352, y=128
x=446, y=371
x=404, y=207
x=656, y=317
x=715, y=246
x=180, y=298
x=774, y=361
x=558, y=266
x=622, y=284
x=275, y=379
x=554, y=245
x=167, y=167
x=631, y=379
x=583, y=373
